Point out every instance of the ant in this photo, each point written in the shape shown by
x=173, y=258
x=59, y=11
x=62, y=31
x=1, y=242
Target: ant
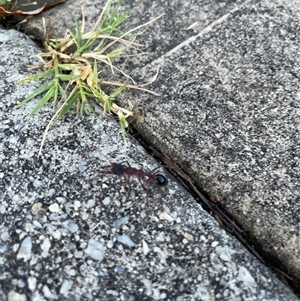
x=143, y=176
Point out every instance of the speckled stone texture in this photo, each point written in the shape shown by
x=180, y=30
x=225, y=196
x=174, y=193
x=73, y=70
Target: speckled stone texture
x=68, y=234
x=229, y=116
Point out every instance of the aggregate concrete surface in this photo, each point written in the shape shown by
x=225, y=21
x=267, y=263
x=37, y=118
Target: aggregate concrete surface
x=67, y=237
x=69, y=232
x=228, y=73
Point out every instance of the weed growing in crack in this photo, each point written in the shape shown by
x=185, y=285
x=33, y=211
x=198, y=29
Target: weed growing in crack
x=71, y=65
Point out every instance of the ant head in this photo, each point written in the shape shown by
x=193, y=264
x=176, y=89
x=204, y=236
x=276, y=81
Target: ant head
x=161, y=180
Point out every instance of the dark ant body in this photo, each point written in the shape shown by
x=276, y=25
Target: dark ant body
x=143, y=176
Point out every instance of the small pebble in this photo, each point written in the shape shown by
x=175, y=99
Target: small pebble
x=47, y=293
x=3, y=249
x=90, y=203
x=77, y=204
x=95, y=249
x=12, y=140
x=31, y=283
x=25, y=249
x=56, y=234
x=188, y=236
x=60, y=199
x=78, y=254
x=37, y=183
x=166, y=216
x=185, y=241
x=110, y=244
x=120, y=221
x=214, y=244
x=120, y=270
x=201, y=289
x=15, y=198
x=54, y=207
x=71, y=226
x=45, y=246
x=106, y=201
x=4, y=235
x=112, y=292
x=125, y=239
x=82, y=167
x=21, y=283
x=146, y=249
x=36, y=207
x=2, y=209
x=245, y=276
x=37, y=224
x=13, y=296
x=225, y=257
x=143, y=214
x=65, y=287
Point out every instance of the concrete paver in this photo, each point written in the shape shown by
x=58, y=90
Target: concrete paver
x=65, y=236
x=230, y=113
x=235, y=112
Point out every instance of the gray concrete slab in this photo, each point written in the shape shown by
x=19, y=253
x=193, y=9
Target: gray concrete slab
x=182, y=20
x=229, y=74
x=232, y=120
x=65, y=236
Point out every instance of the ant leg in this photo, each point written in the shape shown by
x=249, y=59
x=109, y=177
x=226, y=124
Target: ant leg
x=128, y=175
x=140, y=180
x=142, y=184
x=154, y=169
x=126, y=163
x=106, y=170
x=150, y=175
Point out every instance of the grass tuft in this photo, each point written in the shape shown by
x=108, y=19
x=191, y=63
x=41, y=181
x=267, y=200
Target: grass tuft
x=71, y=66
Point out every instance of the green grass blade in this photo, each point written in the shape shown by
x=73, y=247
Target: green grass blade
x=87, y=45
x=83, y=100
x=67, y=77
x=55, y=94
x=44, y=100
x=36, y=76
x=123, y=124
x=62, y=92
x=115, y=10
x=116, y=53
x=100, y=98
x=37, y=92
x=111, y=21
x=118, y=21
x=106, y=16
x=90, y=108
x=117, y=92
x=69, y=103
x=78, y=36
x=68, y=67
x=74, y=38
